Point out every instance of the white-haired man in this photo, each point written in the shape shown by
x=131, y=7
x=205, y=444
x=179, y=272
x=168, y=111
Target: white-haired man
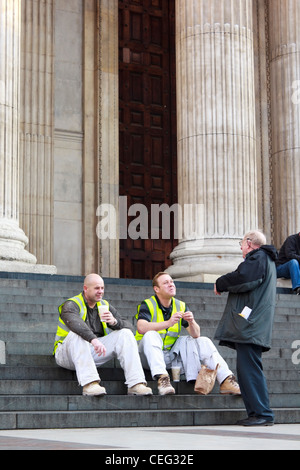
x=247, y=322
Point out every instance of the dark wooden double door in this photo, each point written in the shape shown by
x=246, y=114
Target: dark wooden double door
x=148, y=163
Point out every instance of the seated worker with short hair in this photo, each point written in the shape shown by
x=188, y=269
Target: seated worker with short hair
x=159, y=322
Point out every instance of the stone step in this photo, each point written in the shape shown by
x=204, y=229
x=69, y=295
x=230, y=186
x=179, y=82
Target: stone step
x=117, y=387
x=12, y=310
x=35, y=393
x=77, y=402
x=66, y=286
x=116, y=402
x=59, y=285
x=29, y=316
x=112, y=371
x=47, y=360
x=36, y=332
x=33, y=348
x=20, y=311
x=208, y=328
x=37, y=326
x=132, y=418
x=123, y=292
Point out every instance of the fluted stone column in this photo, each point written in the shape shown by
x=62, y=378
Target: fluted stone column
x=36, y=127
x=285, y=108
x=13, y=256
x=216, y=135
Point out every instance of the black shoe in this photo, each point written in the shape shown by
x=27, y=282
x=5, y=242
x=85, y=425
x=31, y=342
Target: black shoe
x=254, y=421
x=242, y=422
x=297, y=291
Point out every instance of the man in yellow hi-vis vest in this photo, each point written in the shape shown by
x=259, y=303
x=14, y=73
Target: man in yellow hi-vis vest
x=159, y=322
x=84, y=341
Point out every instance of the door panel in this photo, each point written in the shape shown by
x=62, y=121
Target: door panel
x=148, y=160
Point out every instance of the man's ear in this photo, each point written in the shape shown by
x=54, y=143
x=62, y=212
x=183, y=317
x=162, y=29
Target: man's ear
x=156, y=289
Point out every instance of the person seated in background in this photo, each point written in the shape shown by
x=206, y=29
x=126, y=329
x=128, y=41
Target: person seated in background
x=288, y=261
x=159, y=322
x=84, y=341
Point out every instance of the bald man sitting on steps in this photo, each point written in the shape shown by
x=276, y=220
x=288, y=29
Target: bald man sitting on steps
x=85, y=342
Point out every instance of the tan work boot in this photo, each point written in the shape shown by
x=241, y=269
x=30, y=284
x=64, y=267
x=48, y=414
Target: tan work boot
x=164, y=385
x=230, y=386
x=139, y=389
x=93, y=389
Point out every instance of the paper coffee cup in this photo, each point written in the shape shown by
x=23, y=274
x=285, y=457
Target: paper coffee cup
x=176, y=374
x=101, y=310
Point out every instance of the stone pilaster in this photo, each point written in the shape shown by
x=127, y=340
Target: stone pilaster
x=36, y=127
x=285, y=108
x=108, y=131
x=216, y=135
x=13, y=256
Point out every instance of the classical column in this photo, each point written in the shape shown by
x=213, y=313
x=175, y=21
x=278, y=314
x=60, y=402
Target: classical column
x=36, y=127
x=13, y=256
x=12, y=238
x=285, y=110
x=216, y=135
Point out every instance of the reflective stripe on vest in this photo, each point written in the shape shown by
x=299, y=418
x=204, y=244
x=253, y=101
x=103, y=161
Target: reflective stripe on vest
x=170, y=335
x=62, y=330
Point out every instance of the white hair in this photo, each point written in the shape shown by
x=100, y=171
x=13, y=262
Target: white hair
x=257, y=237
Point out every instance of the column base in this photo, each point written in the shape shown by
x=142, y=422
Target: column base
x=13, y=255
x=19, y=267
x=204, y=260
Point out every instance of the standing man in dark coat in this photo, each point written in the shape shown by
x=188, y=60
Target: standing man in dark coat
x=247, y=322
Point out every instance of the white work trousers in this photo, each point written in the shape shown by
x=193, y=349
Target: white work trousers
x=77, y=354
x=156, y=359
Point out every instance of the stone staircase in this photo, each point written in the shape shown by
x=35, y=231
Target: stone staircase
x=36, y=394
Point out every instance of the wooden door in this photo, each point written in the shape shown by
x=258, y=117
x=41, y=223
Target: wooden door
x=148, y=161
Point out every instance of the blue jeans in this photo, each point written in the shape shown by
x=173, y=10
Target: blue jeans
x=290, y=270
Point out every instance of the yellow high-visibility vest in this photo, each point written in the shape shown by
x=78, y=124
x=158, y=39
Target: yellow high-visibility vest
x=170, y=335
x=63, y=331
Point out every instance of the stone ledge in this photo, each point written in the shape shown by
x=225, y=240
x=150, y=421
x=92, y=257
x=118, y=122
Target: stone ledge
x=19, y=267
x=286, y=283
